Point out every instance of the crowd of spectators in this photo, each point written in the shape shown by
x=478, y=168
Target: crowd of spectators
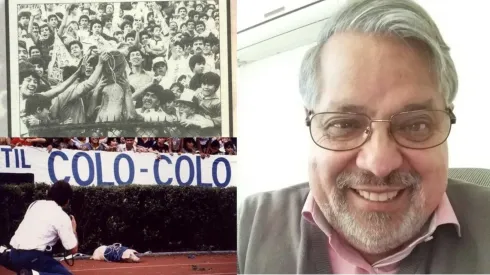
x=199, y=145
x=164, y=57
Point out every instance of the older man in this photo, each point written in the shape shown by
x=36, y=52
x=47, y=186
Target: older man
x=378, y=91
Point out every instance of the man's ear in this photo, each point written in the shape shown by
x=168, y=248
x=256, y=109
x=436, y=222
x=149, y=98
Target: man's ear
x=39, y=110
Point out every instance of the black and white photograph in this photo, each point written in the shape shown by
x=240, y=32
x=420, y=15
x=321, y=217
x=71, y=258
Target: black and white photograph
x=119, y=68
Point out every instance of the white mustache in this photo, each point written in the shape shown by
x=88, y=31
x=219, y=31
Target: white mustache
x=366, y=178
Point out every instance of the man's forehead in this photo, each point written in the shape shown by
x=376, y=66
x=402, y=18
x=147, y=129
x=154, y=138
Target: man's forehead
x=375, y=72
x=342, y=106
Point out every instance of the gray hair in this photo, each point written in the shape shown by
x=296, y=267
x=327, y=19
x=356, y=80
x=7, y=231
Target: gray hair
x=401, y=18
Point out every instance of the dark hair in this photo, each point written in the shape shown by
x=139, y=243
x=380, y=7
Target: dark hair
x=51, y=16
x=178, y=43
x=96, y=21
x=134, y=49
x=229, y=144
x=32, y=48
x=105, y=18
x=211, y=78
x=26, y=73
x=177, y=84
x=182, y=8
x=163, y=95
x=82, y=17
x=149, y=29
x=196, y=59
x=191, y=14
x=72, y=8
x=144, y=33
x=130, y=34
x=93, y=61
x=200, y=22
x=73, y=22
x=215, y=144
x=186, y=41
x=45, y=25
x=35, y=102
x=209, y=40
x=203, y=15
x=118, y=32
x=197, y=38
x=181, y=78
x=148, y=16
x=124, y=23
x=22, y=44
x=60, y=192
x=36, y=60
x=128, y=18
x=74, y=42
x=24, y=14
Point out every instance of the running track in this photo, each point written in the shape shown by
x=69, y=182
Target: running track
x=173, y=265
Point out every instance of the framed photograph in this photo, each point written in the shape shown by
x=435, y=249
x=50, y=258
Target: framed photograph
x=104, y=68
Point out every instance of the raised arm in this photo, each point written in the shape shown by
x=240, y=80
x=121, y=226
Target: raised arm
x=33, y=36
x=91, y=82
x=63, y=86
x=65, y=20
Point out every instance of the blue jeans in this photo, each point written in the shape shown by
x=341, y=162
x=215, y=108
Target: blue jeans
x=36, y=260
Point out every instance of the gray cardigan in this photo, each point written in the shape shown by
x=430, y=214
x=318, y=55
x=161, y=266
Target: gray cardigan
x=274, y=238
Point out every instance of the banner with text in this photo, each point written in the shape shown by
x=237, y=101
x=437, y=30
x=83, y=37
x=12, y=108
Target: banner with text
x=98, y=168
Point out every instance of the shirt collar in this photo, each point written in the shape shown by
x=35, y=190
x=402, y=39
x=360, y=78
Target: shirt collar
x=444, y=214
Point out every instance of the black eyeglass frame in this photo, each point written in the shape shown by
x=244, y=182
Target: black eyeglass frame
x=310, y=115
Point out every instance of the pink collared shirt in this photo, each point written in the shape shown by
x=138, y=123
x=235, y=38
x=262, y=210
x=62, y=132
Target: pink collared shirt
x=345, y=259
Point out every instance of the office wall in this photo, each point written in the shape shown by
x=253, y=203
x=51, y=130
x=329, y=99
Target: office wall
x=274, y=139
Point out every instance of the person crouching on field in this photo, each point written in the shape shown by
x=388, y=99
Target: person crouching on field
x=44, y=223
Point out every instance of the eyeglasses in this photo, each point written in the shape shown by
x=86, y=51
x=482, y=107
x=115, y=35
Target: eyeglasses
x=343, y=131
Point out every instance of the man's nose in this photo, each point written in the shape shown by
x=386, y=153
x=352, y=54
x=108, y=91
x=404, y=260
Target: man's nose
x=380, y=154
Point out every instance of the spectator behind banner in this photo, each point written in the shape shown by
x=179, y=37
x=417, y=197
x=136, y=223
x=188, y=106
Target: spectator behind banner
x=128, y=145
x=160, y=146
x=189, y=145
x=214, y=148
x=229, y=148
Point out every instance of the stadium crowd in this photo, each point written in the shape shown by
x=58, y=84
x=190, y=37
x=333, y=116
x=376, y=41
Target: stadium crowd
x=111, y=62
x=199, y=145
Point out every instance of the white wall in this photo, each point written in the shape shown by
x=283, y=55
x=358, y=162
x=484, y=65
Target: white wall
x=270, y=106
